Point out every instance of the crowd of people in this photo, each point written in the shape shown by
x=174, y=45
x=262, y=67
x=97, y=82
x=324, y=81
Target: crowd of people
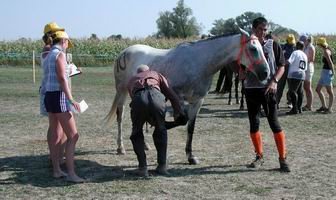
x=291, y=63
x=299, y=74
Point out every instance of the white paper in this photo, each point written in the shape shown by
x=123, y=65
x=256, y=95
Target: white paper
x=73, y=70
x=82, y=106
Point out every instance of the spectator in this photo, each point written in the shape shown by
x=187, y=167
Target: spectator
x=296, y=75
x=49, y=30
x=288, y=49
x=307, y=85
x=327, y=76
x=58, y=99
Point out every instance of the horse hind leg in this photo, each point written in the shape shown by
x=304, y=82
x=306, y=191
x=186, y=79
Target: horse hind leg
x=120, y=149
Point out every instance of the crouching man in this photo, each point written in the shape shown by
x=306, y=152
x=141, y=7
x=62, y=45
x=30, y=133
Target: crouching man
x=149, y=90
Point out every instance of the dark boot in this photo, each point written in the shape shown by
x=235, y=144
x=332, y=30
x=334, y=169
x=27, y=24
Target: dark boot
x=160, y=141
x=139, y=149
x=162, y=170
x=258, y=162
x=142, y=171
x=284, y=167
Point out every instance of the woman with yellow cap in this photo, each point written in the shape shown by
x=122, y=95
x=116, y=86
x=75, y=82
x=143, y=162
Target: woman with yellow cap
x=327, y=75
x=49, y=30
x=58, y=101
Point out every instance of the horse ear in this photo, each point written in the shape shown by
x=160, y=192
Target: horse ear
x=242, y=31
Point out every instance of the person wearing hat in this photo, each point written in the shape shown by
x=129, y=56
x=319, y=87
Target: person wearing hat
x=58, y=100
x=49, y=30
x=309, y=50
x=327, y=76
x=287, y=49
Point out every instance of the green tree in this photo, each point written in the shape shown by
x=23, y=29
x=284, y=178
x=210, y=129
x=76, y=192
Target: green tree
x=245, y=20
x=178, y=24
x=279, y=30
x=222, y=26
x=165, y=25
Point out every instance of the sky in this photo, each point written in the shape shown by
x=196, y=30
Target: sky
x=137, y=18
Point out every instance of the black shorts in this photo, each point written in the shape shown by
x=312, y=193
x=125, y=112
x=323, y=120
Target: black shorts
x=56, y=102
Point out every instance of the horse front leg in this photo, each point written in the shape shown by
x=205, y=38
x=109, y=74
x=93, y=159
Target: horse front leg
x=192, y=113
x=120, y=143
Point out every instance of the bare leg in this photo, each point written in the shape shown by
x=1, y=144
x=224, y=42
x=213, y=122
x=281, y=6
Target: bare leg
x=62, y=148
x=321, y=95
x=54, y=137
x=331, y=97
x=69, y=126
x=309, y=94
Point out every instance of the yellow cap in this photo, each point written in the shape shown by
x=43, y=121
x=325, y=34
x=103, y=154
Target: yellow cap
x=291, y=39
x=63, y=35
x=52, y=27
x=322, y=41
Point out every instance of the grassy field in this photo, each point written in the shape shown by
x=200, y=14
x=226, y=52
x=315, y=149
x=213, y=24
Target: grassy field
x=221, y=142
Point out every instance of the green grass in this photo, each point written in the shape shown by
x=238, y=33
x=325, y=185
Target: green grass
x=221, y=142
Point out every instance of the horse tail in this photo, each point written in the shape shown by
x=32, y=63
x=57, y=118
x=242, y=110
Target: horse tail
x=120, y=96
x=111, y=116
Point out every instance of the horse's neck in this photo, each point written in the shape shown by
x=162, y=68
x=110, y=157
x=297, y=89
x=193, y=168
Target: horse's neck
x=220, y=51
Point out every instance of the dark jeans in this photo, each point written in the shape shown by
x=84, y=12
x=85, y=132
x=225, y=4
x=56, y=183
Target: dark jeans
x=295, y=90
x=148, y=105
x=255, y=98
x=282, y=85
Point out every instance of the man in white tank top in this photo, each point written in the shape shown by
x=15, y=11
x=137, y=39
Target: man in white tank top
x=309, y=50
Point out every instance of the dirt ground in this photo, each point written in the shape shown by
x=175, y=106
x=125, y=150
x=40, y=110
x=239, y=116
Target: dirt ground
x=221, y=142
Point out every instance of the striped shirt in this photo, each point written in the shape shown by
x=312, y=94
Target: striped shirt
x=49, y=65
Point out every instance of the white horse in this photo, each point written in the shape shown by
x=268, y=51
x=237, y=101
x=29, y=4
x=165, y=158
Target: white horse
x=189, y=69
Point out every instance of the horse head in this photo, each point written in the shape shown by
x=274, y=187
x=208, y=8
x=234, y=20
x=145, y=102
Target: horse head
x=251, y=56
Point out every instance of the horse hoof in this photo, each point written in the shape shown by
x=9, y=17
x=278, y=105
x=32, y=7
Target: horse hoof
x=193, y=160
x=241, y=108
x=147, y=147
x=229, y=103
x=121, y=151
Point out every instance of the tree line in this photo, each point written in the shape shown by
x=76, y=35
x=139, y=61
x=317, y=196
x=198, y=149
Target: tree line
x=180, y=23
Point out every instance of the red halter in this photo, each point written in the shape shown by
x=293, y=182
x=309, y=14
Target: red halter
x=243, y=43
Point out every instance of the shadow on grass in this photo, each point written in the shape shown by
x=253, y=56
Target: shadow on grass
x=36, y=171
x=216, y=169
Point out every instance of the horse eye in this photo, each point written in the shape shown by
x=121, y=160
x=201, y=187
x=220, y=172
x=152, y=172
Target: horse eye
x=253, y=49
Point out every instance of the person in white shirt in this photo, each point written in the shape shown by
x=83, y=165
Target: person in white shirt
x=296, y=75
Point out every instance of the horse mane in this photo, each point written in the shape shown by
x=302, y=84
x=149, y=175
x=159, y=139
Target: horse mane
x=208, y=39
